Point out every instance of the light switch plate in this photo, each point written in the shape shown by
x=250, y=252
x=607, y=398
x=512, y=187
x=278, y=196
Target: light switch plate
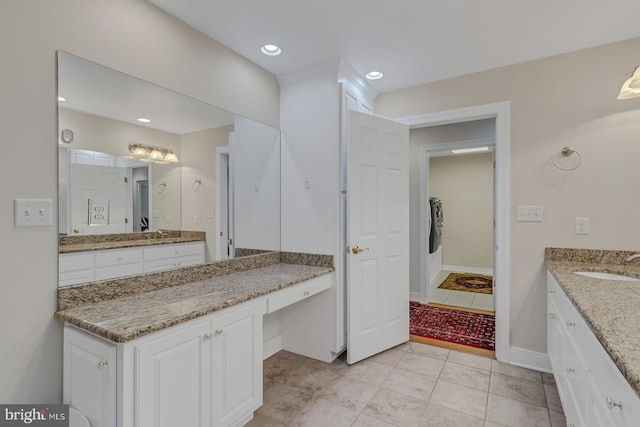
x=529, y=213
x=33, y=213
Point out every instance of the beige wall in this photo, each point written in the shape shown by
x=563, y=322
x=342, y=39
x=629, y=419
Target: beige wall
x=198, y=161
x=131, y=36
x=568, y=99
x=464, y=183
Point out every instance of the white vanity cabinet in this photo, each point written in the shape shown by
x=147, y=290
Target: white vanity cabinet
x=90, y=376
x=83, y=267
x=205, y=372
x=166, y=257
x=592, y=389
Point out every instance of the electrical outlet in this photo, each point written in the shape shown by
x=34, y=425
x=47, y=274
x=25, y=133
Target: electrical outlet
x=33, y=212
x=582, y=225
x=529, y=213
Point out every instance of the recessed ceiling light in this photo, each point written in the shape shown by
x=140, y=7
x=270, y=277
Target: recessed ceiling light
x=271, y=50
x=61, y=99
x=470, y=150
x=143, y=120
x=374, y=75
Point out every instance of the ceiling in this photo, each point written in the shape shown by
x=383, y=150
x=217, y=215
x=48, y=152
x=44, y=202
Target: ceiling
x=411, y=41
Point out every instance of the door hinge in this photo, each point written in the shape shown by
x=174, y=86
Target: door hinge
x=126, y=220
x=494, y=164
x=126, y=179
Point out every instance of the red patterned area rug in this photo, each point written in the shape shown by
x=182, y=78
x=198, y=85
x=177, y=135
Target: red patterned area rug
x=456, y=326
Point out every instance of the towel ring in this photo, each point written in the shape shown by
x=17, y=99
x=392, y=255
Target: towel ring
x=196, y=185
x=161, y=187
x=567, y=152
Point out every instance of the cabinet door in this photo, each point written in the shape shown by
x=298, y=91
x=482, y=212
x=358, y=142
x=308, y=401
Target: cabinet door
x=173, y=379
x=237, y=364
x=90, y=377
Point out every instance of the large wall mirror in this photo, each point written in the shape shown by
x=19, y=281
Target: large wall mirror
x=186, y=165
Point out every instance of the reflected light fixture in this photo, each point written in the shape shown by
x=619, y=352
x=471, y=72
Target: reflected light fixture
x=470, y=150
x=374, y=75
x=631, y=88
x=271, y=50
x=158, y=155
x=143, y=120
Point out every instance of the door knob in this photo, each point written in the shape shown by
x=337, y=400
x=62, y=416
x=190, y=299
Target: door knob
x=356, y=249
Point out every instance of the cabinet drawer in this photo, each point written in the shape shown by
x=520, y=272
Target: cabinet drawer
x=117, y=257
x=76, y=277
x=613, y=390
x=171, y=263
x=173, y=251
x=297, y=293
x=555, y=293
x=72, y=262
x=576, y=328
x=104, y=273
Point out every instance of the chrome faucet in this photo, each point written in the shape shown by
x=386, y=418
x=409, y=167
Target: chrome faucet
x=632, y=257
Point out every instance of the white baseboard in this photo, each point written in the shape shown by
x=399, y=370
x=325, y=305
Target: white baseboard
x=530, y=359
x=475, y=270
x=271, y=347
x=415, y=296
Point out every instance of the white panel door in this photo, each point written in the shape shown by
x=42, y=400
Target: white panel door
x=173, y=379
x=378, y=223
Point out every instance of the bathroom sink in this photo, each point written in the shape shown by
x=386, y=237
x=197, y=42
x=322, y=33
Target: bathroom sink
x=606, y=276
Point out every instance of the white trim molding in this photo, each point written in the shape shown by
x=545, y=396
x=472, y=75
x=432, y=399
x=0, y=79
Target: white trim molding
x=530, y=359
x=501, y=112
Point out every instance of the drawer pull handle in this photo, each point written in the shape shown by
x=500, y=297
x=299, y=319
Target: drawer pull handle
x=306, y=293
x=552, y=291
x=612, y=403
x=570, y=370
x=119, y=258
x=102, y=363
x=552, y=316
x=218, y=331
x=206, y=336
x=571, y=425
x=569, y=324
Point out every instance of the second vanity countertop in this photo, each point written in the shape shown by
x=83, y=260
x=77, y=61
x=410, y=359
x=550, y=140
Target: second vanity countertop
x=128, y=317
x=610, y=308
x=86, y=243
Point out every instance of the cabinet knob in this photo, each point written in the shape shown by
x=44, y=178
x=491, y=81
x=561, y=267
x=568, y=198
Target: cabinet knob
x=570, y=370
x=612, y=403
x=570, y=424
x=570, y=324
x=119, y=258
x=206, y=336
x=102, y=363
x=552, y=316
x=306, y=293
x=218, y=331
x=552, y=291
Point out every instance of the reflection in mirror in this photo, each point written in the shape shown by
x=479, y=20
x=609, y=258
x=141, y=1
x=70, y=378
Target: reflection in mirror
x=226, y=181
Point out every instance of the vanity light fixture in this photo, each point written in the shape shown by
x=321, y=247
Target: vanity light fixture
x=158, y=155
x=470, y=150
x=374, y=75
x=143, y=120
x=631, y=88
x=271, y=50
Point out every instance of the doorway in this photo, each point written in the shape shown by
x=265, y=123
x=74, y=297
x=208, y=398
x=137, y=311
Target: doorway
x=224, y=203
x=500, y=112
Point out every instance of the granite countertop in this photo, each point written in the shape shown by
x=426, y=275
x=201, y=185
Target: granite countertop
x=610, y=308
x=97, y=246
x=96, y=242
x=128, y=317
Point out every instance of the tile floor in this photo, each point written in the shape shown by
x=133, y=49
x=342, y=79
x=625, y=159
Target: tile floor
x=458, y=298
x=409, y=385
